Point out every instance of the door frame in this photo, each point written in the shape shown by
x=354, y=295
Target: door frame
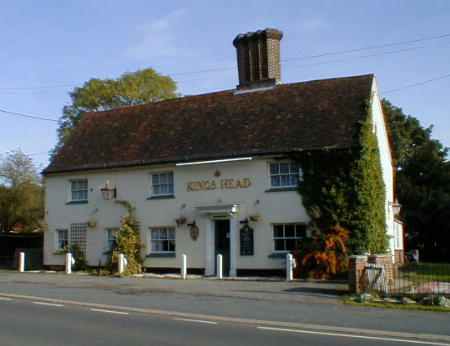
x=210, y=244
x=226, y=270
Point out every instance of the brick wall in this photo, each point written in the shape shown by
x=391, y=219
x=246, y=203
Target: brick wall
x=356, y=267
x=399, y=257
x=258, y=57
x=360, y=265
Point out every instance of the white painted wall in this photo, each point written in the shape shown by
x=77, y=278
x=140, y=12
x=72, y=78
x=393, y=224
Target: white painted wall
x=134, y=185
x=386, y=162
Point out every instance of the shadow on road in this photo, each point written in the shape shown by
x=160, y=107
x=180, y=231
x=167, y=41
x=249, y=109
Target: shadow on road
x=319, y=291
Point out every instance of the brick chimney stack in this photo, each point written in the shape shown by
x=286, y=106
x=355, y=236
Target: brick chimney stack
x=258, y=58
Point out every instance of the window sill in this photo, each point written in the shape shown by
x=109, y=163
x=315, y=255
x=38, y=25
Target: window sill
x=281, y=189
x=281, y=254
x=77, y=202
x=161, y=197
x=162, y=255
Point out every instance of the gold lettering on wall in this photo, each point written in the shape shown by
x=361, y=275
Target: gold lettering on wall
x=223, y=184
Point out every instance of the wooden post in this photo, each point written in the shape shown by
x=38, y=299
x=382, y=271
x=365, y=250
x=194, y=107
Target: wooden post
x=183, y=266
x=21, y=262
x=121, y=264
x=220, y=267
x=289, y=267
x=68, y=263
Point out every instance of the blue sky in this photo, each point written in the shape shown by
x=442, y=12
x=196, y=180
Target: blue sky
x=48, y=47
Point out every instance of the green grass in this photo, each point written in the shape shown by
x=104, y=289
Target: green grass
x=416, y=307
x=425, y=272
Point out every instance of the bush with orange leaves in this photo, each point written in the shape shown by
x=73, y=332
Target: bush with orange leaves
x=324, y=255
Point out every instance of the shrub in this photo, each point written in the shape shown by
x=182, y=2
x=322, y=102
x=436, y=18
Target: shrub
x=79, y=257
x=128, y=241
x=324, y=254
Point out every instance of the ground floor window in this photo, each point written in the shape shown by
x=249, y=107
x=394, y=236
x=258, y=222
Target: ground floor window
x=62, y=239
x=287, y=236
x=76, y=235
x=162, y=239
x=111, y=238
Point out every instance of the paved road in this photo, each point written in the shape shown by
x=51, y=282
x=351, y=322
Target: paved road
x=34, y=322
x=276, y=301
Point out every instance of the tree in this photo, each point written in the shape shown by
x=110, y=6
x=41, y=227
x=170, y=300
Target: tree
x=21, y=194
x=142, y=86
x=17, y=168
x=423, y=184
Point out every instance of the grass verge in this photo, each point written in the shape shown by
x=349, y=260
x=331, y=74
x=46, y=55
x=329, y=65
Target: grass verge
x=416, y=307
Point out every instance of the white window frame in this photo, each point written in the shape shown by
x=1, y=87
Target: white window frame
x=57, y=239
x=70, y=237
x=110, y=237
x=398, y=235
x=71, y=190
x=295, y=237
x=78, y=227
x=159, y=174
x=168, y=229
x=289, y=174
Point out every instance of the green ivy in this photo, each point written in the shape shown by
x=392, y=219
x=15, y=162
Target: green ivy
x=345, y=187
x=368, y=221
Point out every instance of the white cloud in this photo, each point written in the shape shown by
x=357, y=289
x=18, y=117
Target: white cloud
x=158, y=38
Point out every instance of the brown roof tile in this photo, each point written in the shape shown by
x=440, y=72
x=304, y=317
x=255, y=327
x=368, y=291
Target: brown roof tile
x=301, y=116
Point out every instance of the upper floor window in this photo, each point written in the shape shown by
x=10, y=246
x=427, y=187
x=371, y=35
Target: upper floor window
x=284, y=174
x=162, y=184
x=162, y=239
x=288, y=236
x=79, y=190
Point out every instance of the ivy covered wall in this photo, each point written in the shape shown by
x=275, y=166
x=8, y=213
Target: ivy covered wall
x=346, y=188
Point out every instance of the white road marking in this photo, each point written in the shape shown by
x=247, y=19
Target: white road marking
x=48, y=304
x=110, y=311
x=354, y=336
x=5, y=299
x=196, y=321
x=404, y=337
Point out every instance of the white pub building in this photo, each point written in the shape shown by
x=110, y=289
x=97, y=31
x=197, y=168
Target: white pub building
x=208, y=174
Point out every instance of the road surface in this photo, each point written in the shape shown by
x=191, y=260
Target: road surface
x=42, y=322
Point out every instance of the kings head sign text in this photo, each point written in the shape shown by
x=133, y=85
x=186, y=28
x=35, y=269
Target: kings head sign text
x=223, y=184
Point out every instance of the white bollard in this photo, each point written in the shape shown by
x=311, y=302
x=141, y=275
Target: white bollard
x=121, y=264
x=220, y=267
x=21, y=262
x=69, y=263
x=183, y=266
x=289, y=267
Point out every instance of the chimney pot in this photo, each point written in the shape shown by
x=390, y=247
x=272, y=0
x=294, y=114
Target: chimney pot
x=258, y=58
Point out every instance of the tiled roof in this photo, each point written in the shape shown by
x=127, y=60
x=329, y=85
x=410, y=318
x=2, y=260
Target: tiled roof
x=289, y=117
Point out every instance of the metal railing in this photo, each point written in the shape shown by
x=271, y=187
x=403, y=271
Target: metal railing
x=413, y=280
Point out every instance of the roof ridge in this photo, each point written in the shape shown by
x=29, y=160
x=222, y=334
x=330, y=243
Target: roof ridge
x=174, y=99
x=220, y=92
